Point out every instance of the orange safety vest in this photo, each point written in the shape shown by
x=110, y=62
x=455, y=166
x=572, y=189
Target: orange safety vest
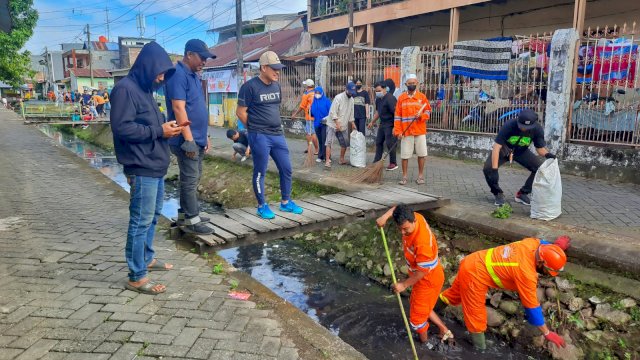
x=421, y=247
x=512, y=267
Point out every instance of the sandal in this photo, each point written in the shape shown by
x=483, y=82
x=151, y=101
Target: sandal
x=419, y=181
x=146, y=288
x=343, y=163
x=403, y=181
x=157, y=265
x=327, y=165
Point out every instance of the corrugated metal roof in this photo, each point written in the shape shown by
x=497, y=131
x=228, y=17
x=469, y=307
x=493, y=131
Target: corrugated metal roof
x=84, y=72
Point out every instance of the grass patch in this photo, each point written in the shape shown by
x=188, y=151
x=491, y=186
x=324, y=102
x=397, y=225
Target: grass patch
x=229, y=184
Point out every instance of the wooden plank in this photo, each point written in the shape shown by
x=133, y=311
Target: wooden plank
x=377, y=198
x=332, y=214
x=345, y=209
x=211, y=240
x=307, y=216
x=409, y=190
x=349, y=201
x=301, y=219
x=252, y=221
x=279, y=221
x=222, y=233
x=230, y=225
x=408, y=197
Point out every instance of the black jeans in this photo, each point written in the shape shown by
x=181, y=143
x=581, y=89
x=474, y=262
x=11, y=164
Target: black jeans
x=190, y=172
x=321, y=133
x=361, y=124
x=526, y=158
x=385, y=136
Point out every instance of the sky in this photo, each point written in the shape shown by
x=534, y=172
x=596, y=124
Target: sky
x=171, y=22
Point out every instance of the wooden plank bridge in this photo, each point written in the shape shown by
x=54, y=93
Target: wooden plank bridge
x=243, y=225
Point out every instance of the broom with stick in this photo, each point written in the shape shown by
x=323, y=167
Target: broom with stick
x=372, y=174
x=309, y=161
x=393, y=278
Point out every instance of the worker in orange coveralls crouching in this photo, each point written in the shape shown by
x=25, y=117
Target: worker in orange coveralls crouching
x=426, y=274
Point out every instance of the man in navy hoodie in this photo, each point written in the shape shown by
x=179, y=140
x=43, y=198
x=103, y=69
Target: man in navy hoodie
x=140, y=140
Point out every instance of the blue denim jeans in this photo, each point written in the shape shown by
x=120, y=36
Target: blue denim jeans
x=146, y=204
x=190, y=173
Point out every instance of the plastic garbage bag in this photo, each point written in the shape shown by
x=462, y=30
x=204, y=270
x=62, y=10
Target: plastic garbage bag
x=358, y=151
x=546, y=196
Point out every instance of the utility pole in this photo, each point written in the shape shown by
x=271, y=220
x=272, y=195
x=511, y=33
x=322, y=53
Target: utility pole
x=240, y=67
x=106, y=9
x=350, y=38
x=89, y=47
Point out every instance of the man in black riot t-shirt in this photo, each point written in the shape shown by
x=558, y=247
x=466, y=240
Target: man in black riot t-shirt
x=512, y=143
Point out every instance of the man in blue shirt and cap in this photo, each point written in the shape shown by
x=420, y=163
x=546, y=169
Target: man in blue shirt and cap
x=187, y=106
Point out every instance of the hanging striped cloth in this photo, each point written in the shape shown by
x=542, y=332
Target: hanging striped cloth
x=482, y=59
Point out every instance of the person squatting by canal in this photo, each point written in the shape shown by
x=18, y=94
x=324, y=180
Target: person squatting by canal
x=259, y=110
x=240, y=144
x=186, y=104
x=426, y=274
x=513, y=267
x=140, y=141
x=512, y=143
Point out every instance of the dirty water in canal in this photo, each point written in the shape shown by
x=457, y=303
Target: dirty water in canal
x=361, y=312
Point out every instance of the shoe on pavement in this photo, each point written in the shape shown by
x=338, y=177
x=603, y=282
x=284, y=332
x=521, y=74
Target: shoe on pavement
x=243, y=159
x=392, y=167
x=291, y=207
x=523, y=198
x=499, y=201
x=198, y=229
x=265, y=212
x=318, y=160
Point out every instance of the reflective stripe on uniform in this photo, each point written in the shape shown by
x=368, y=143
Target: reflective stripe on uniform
x=490, y=264
x=428, y=264
x=444, y=298
x=418, y=327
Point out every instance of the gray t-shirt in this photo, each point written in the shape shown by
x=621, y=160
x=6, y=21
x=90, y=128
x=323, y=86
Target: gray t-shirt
x=263, y=103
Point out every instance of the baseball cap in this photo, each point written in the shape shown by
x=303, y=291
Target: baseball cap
x=308, y=83
x=270, y=58
x=199, y=47
x=527, y=119
x=351, y=87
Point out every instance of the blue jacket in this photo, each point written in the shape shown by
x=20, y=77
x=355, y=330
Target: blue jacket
x=320, y=107
x=136, y=121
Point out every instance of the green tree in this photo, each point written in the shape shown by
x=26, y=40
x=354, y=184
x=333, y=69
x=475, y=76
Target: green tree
x=14, y=64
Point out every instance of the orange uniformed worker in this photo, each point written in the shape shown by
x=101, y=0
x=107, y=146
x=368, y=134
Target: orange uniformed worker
x=514, y=267
x=425, y=271
x=305, y=106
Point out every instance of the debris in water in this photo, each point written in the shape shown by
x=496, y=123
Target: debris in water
x=239, y=295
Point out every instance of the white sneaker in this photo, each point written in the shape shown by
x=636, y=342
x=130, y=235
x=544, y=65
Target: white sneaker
x=318, y=160
x=243, y=159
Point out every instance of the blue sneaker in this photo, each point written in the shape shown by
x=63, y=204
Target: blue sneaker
x=265, y=213
x=291, y=207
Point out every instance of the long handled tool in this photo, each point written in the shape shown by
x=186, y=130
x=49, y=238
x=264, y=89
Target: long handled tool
x=372, y=174
x=393, y=277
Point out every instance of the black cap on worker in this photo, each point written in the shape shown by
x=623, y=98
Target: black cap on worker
x=199, y=47
x=527, y=119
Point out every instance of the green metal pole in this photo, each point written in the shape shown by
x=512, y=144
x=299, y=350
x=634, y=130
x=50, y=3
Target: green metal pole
x=393, y=278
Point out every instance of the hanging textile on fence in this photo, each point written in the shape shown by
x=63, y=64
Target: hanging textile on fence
x=482, y=59
x=616, y=64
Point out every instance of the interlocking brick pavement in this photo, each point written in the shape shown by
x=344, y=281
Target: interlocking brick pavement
x=62, y=273
x=589, y=203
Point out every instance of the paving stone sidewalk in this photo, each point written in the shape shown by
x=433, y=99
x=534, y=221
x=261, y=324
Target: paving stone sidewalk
x=62, y=273
x=606, y=206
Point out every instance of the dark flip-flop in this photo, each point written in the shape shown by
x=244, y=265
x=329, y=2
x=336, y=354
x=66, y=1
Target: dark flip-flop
x=146, y=288
x=158, y=266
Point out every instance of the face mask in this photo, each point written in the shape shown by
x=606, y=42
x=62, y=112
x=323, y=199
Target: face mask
x=387, y=88
x=156, y=85
x=411, y=87
x=358, y=87
x=318, y=96
x=379, y=94
x=349, y=95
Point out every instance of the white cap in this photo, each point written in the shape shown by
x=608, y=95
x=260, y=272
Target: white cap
x=411, y=76
x=308, y=83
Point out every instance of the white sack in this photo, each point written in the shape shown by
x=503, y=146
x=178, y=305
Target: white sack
x=546, y=196
x=358, y=152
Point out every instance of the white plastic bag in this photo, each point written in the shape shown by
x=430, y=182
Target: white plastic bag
x=546, y=196
x=358, y=152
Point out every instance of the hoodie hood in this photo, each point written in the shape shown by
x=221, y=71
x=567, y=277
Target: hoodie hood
x=320, y=107
x=391, y=84
x=152, y=61
x=319, y=89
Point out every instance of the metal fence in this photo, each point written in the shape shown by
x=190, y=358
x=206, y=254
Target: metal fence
x=463, y=104
x=606, y=104
x=370, y=66
x=41, y=109
x=291, y=78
